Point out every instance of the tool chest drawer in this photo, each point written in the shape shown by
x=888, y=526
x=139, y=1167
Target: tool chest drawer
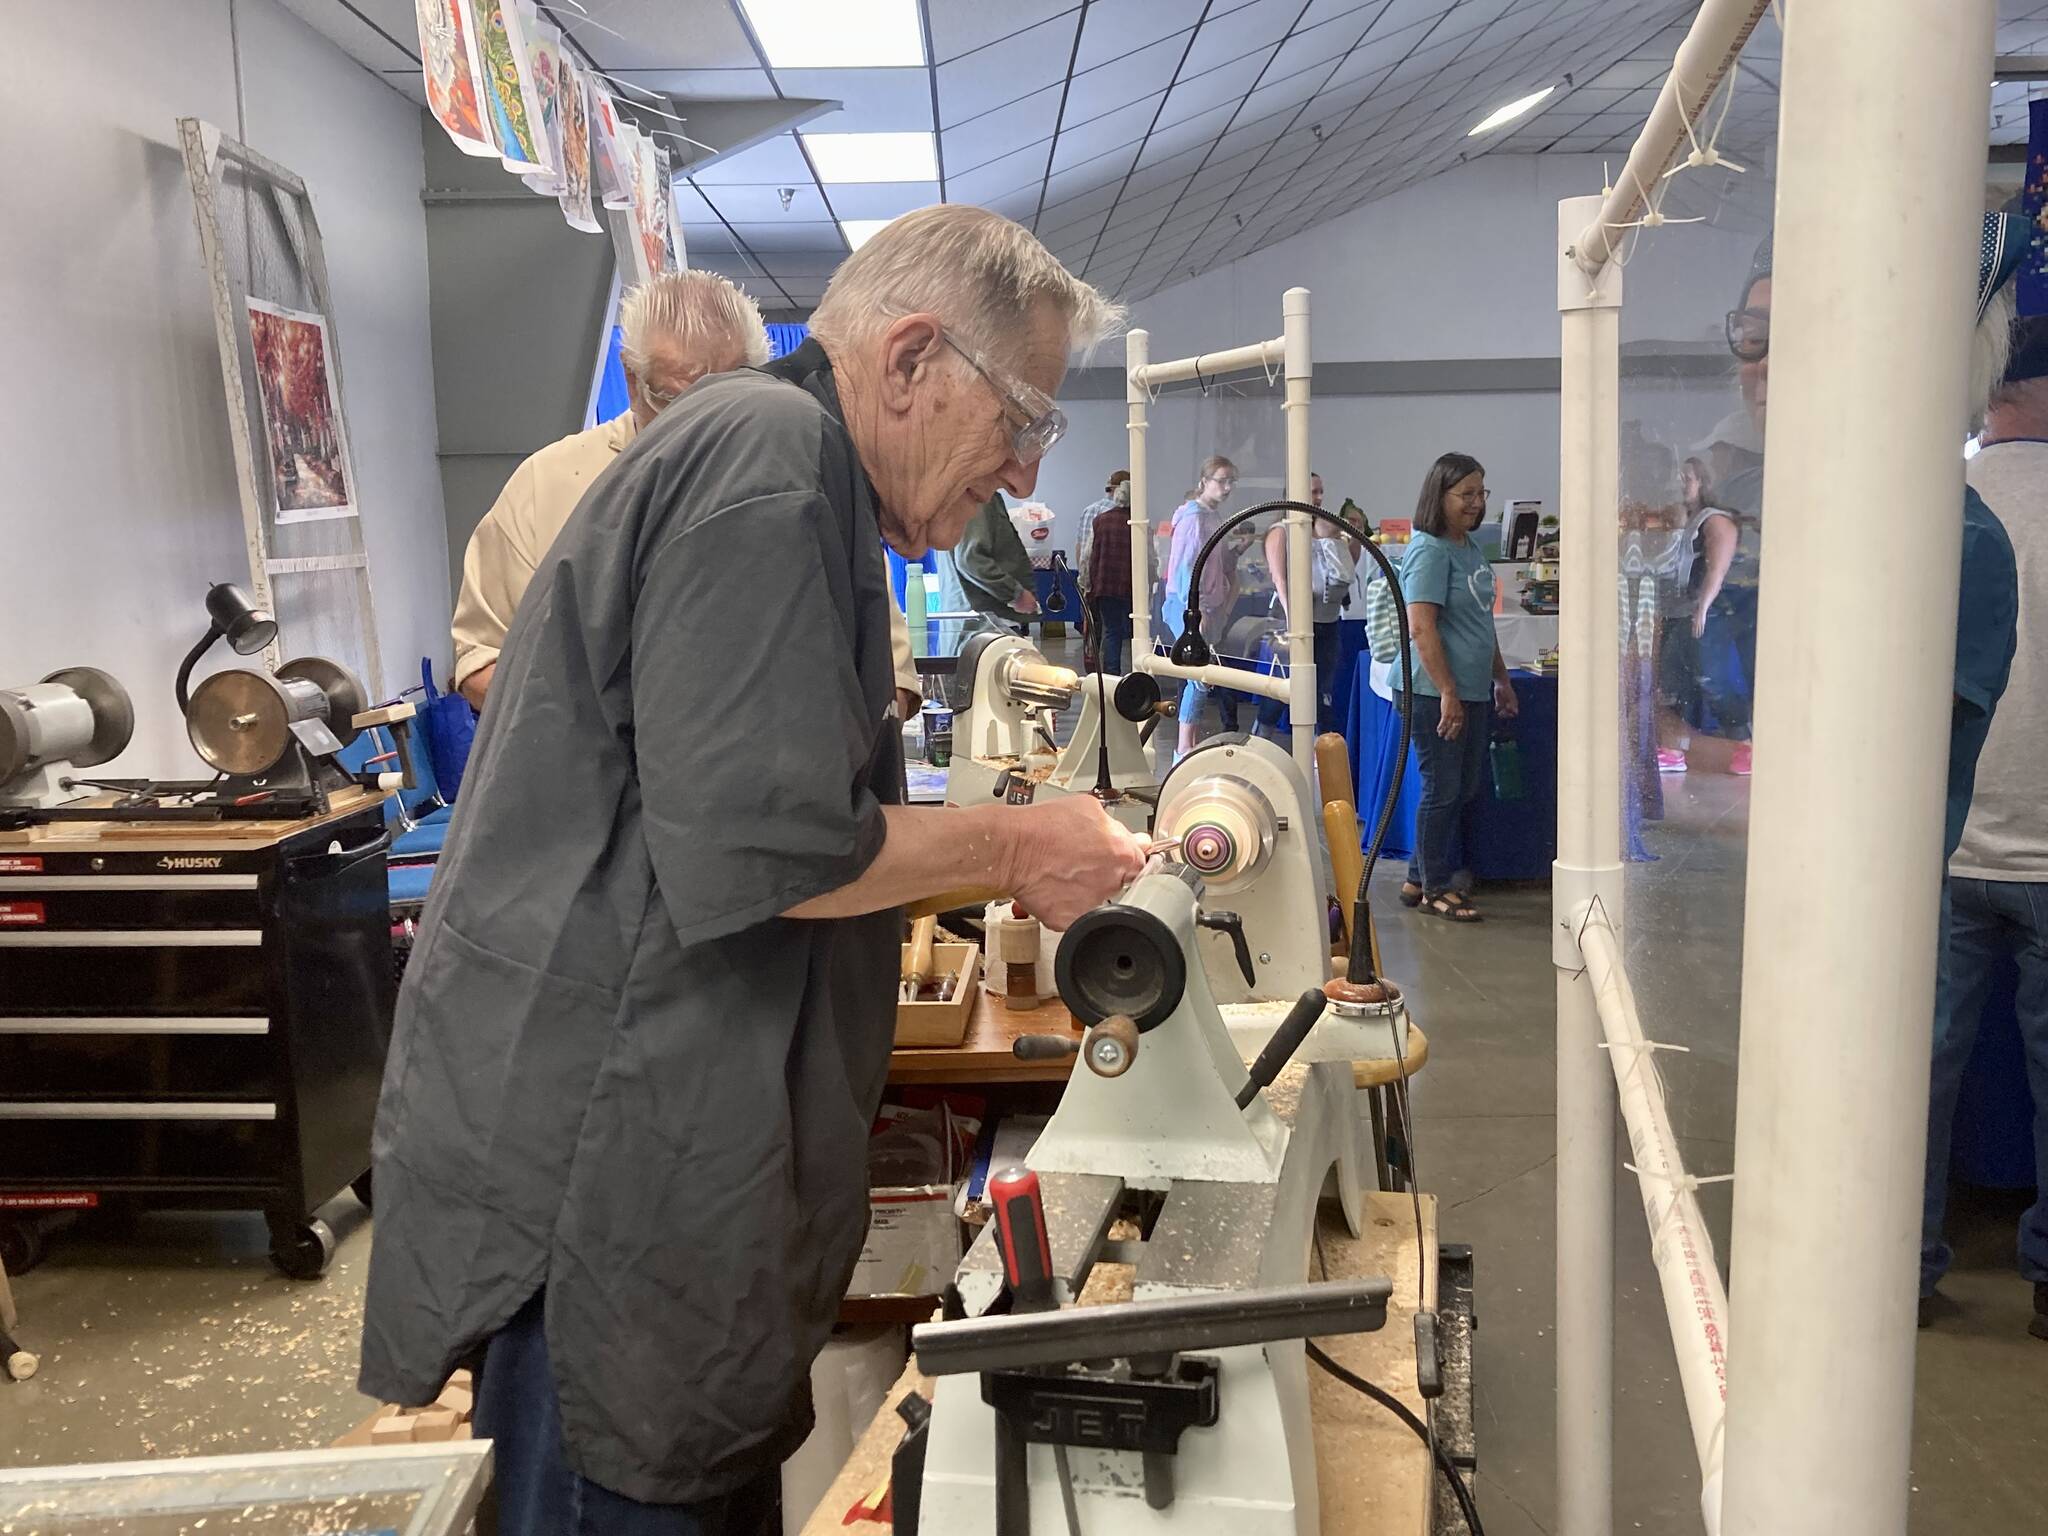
x=150, y=971
x=101, y=1147
x=127, y=903
x=141, y=1058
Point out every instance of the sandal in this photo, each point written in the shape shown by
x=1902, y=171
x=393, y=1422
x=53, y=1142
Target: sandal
x=1411, y=894
x=1452, y=907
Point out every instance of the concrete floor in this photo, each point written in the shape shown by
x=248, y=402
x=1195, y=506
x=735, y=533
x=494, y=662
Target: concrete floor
x=173, y=1336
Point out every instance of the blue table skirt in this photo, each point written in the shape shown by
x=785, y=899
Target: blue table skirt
x=1044, y=579
x=1273, y=715
x=1517, y=839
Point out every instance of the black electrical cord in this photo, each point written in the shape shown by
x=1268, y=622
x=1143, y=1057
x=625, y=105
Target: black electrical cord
x=1401, y=1411
x=1197, y=653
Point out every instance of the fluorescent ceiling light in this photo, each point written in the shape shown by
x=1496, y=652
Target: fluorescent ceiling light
x=859, y=231
x=873, y=156
x=1511, y=111
x=837, y=34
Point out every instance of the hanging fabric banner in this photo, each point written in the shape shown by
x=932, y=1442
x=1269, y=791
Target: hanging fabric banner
x=2031, y=291
x=575, y=194
x=665, y=206
x=544, y=51
x=508, y=87
x=675, y=222
x=612, y=160
x=650, y=204
x=451, y=71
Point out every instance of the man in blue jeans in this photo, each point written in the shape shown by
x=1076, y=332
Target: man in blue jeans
x=1996, y=904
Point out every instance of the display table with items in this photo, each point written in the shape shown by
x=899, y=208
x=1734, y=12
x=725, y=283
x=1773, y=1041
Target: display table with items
x=1517, y=836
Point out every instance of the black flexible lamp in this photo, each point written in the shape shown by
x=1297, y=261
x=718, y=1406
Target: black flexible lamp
x=232, y=613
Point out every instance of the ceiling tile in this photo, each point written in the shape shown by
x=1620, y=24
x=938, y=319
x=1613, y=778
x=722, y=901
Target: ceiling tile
x=873, y=100
x=986, y=81
x=763, y=203
x=1119, y=28
x=996, y=178
x=1077, y=183
x=1250, y=28
x=1140, y=79
x=660, y=34
x=881, y=200
x=1115, y=131
x=691, y=204
x=704, y=239
x=962, y=26
x=775, y=162
x=993, y=135
x=789, y=236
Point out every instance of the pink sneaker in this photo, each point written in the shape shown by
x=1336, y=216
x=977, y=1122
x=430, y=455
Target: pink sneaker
x=1738, y=760
x=1670, y=761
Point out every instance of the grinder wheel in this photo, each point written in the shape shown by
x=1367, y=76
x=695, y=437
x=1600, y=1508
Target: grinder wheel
x=113, y=713
x=1121, y=960
x=239, y=722
x=344, y=690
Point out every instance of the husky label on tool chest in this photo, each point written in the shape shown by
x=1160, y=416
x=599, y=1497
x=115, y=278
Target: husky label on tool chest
x=21, y=914
x=20, y=864
x=191, y=861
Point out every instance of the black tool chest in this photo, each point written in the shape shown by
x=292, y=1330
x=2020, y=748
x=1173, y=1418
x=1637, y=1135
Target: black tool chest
x=193, y=1020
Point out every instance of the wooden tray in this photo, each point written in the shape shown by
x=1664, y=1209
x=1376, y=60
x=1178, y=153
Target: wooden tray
x=942, y=1024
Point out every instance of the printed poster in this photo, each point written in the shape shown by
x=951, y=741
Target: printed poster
x=544, y=58
x=575, y=194
x=302, y=431
x=508, y=86
x=449, y=64
x=611, y=155
x=650, y=204
x=675, y=227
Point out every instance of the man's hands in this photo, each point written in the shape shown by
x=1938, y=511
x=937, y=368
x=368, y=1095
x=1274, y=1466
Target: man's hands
x=1066, y=857
x=908, y=704
x=1026, y=602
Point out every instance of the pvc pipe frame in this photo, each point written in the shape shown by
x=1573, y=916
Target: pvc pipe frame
x=1695, y=1304
x=1290, y=349
x=1715, y=40
x=1863, y=494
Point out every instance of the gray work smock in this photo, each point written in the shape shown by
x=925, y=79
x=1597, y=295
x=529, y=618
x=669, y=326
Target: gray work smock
x=617, y=1072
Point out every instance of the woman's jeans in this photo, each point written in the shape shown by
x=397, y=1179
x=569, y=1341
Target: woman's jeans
x=1453, y=779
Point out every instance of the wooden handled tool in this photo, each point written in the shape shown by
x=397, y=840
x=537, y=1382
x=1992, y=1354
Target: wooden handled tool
x=1347, y=864
x=950, y=901
x=918, y=967
x=1333, y=773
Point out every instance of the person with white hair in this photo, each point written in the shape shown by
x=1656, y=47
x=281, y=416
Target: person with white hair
x=622, y=1144
x=674, y=329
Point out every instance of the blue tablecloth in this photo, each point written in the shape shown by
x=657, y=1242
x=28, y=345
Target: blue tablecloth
x=1518, y=838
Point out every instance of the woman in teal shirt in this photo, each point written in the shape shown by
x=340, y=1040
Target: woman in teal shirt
x=1461, y=683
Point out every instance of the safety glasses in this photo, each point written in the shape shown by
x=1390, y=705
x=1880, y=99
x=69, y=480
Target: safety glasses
x=1749, y=334
x=1042, y=422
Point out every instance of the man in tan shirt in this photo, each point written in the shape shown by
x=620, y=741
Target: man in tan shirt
x=675, y=330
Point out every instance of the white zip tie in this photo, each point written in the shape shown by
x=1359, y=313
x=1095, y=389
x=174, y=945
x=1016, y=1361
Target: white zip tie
x=1685, y=1183
x=1642, y=1045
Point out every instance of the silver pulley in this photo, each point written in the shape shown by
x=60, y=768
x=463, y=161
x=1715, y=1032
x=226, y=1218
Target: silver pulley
x=245, y=723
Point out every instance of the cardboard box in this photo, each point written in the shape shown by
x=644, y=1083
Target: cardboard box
x=913, y=1243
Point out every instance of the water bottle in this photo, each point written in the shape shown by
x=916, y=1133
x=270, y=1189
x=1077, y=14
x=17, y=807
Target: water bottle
x=914, y=611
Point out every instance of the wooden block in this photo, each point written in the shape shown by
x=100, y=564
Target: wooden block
x=459, y=1399
x=434, y=1424
x=360, y=1435
x=393, y=1429
x=464, y=1431
x=462, y=1379
x=1017, y=940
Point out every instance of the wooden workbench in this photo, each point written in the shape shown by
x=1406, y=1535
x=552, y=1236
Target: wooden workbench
x=169, y=835
x=984, y=1056
x=1373, y=1474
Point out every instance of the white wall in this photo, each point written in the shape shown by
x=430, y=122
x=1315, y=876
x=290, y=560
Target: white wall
x=1462, y=266
x=119, y=506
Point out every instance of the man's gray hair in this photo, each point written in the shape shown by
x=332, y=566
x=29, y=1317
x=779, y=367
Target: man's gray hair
x=978, y=271
x=716, y=326
x=1990, y=353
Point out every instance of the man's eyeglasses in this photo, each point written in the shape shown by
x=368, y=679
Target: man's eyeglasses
x=1043, y=423
x=1749, y=334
